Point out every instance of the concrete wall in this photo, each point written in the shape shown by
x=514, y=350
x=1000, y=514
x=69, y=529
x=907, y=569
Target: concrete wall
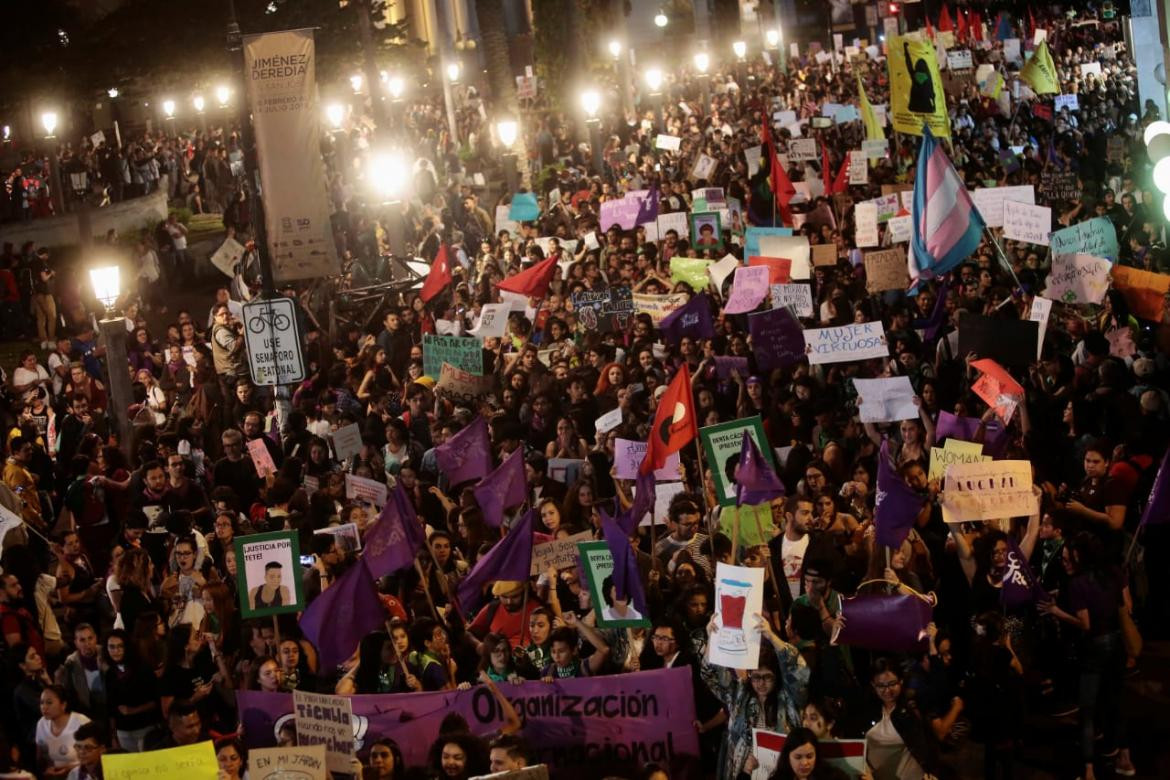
x=125, y=217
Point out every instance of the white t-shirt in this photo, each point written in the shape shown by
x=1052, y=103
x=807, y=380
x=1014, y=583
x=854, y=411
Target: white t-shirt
x=22, y=376
x=792, y=557
x=59, y=748
x=178, y=237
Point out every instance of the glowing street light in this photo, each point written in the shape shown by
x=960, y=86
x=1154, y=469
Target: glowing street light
x=653, y=78
x=702, y=62
x=453, y=72
x=740, y=49
x=396, y=85
x=355, y=82
x=199, y=103
x=49, y=122
x=615, y=48
x=507, y=130
x=660, y=19
x=113, y=92
x=335, y=113
x=222, y=94
x=106, y=285
x=168, y=107
x=388, y=174
x=772, y=37
x=591, y=102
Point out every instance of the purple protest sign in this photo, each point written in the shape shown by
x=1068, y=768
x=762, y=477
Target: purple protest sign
x=628, y=456
x=995, y=439
x=622, y=212
x=725, y=364
x=747, y=289
x=777, y=339
x=582, y=728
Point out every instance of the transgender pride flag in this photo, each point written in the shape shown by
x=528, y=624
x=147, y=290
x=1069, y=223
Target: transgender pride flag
x=947, y=227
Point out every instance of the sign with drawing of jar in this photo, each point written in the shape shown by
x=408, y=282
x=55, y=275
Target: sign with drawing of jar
x=739, y=597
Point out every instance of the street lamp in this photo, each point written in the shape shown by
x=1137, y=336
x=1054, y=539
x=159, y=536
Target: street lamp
x=653, y=78
x=222, y=94
x=49, y=122
x=452, y=70
x=396, y=85
x=335, y=113
x=591, y=104
x=355, y=82
x=168, y=107
x=615, y=48
x=107, y=288
x=660, y=19
x=740, y=49
x=702, y=64
x=199, y=103
x=772, y=38
x=389, y=175
x=113, y=93
x=507, y=130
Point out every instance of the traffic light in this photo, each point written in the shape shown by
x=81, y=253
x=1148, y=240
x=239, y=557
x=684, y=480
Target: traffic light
x=895, y=9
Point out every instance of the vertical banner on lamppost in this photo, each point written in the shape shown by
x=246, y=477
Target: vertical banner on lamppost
x=282, y=93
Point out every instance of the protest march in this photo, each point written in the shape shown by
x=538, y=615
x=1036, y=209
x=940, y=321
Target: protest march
x=797, y=409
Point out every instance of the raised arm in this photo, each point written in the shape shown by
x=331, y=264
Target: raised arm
x=966, y=559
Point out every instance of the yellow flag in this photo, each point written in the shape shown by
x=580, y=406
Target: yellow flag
x=873, y=130
x=916, y=89
x=1040, y=73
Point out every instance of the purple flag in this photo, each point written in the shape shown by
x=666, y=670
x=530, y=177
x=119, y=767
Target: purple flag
x=648, y=208
x=938, y=316
x=627, y=580
x=777, y=339
x=505, y=487
x=896, y=505
x=1158, y=509
x=391, y=542
x=756, y=482
x=692, y=319
x=995, y=437
x=467, y=454
x=510, y=559
x=346, y=611
x=1020, y=586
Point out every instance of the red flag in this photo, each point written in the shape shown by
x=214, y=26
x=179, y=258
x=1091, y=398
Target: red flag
x=1031, y=26
x=929, y=29
x=782, y=188
x=674, y=422
x=976, y=25
x=439, y=277
x=960, y=25
x=765, y=131
x=826, y=174
x=841, y=184
x=532, y=282
x=944, y=20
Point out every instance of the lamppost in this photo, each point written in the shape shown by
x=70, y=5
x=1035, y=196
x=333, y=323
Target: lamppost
x=106, y=284
x=621, y=59
x=702, y=65
x=388, y=176
x=774, y=38
x=168, y=107
x=653, y=78
x=740, y=50
x=396, y=86
x=506, y=131
x=451, y=72
x=335, y=113
x=49, y=122
x=591, y=104
x=199, y=103
x=223, y=94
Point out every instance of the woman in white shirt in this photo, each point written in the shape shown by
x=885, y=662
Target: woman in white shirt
x=29, y=376
x=55, y=730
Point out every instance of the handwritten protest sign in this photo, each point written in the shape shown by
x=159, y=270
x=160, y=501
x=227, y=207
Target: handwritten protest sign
x=752, y=156
x=628, y=456
x=505, y=222
x=1024, y=222
x=739, y=596
x=900, y=228
x=988, y=491
x=1096, y=237
x=463, y=352
x=726, y=365
x=261, y=457
x=875, y=148
x=559, y=553
x=747, y=290
x=779, y=268
x=608, y=421
x=368, y=491
x=1041, y=309
x=989, y=201
x=886, y=270
x=347, y=441
x=493, y=321
x=753, y=235
x=1066, y=101
x=1143, y=290
x=722, y=444
x=196, y=762
x=887, y=205
x=1078, y=278
x=997, y=388
x=621, y=212
x=462, y=386
x=1059, y=185
x=689, y=270
x=326, y=720
x=798, y=296
x=658, y=306
x=888, y=399
x=858, y=341
x=959, y=59
x=285, y=763
x=795, y=248
x=777, y=339
x=604, y=311
x=865, y=219
x=954, y=451
x=676, y=221
x=858, y=167
x=228, y=256
x=670, y=143
x=802, y=150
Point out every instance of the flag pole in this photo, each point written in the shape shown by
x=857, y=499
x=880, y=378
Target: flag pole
x=1002, y=256
x=427, y=590
x=1132, y=546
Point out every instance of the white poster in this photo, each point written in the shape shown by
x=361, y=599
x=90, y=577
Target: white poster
x=739, y=597
x=608, y=421
x=859, y=341
x=752, y=156
x=865, y=219
x=887, y=399
x=493, y=321
x=989, y=201
x=1041, y=309
x=795, y=248
x=1024, y=222
x=858, y=168
x=721, y=270
x=670, y=143
x=280, y=68
x=901, y=228
x=798, y=296
x=505, y=222
x=228, y=256
x=802, y=150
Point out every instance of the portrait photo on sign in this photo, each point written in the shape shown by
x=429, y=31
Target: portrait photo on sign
x=722, y=444
x=611, y=611
x=706, y=232
x=270, y=575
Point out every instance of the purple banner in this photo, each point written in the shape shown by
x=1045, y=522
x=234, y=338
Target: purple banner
x=582, y=728
x=777, y=339
x=622, y=212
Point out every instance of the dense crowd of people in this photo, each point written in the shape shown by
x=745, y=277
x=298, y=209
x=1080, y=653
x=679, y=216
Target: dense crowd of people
x=121, y=608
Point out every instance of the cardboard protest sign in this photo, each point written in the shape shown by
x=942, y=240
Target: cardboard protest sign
x=886, y=270
x=261, y=457
x=997, y=388
x=604, y=311
x=798, y=296
x=1024, y=222
x=988, y=491
x=1078, y=278
x=463, y=352
x=268, y=573
x=722, y=444
x=916, y=91
x=1095, y=236
x=196, y=762
x=1143, y=290
x=747, y=290
x=283, y=763
x=461, y=386
x=691, y=270
x=1059, y=185
x=866, y=224
x=794, y=248
x=858, y=341
x=597, y=561
x=347, y=441
x=887, y=399
x=367, y=491
x=824, y=254
x=493, y=321
x=658, y=306
x=989, y=201
x=326, y=721
x=954, y=451
x=739, y=597
x=1010, y=342
x=1041, y=309
x=559, y=553
x=777, y=339
x=779, y=268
